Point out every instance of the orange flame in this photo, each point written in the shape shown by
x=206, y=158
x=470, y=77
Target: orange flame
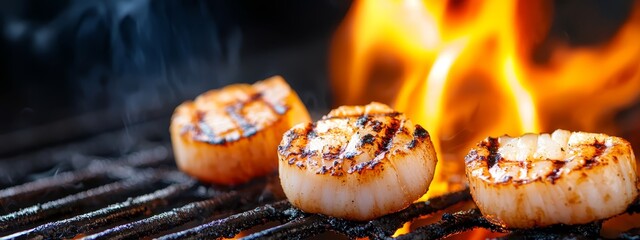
x=464, y=71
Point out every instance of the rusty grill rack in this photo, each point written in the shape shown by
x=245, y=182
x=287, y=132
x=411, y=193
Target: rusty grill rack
x=140, y=193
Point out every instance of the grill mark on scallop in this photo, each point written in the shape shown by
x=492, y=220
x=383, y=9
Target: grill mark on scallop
x=247, y=128
x=556, y=171
x=299, y=138
x=288, y=137
x=420, y=134
x=390, y=133
x=292, y=135
x=592, y=161
x=357, y=116
x=204, y=132
x=362, y=120
x=376, y=125
x=209, y=136
x=384, y=145
x=492, y=145
x=367, y=139
x=279, y=109
x=494, y=159
x=340, y=156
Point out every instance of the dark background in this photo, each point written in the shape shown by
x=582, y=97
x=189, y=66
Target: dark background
x=62, y=58
x=74, y=68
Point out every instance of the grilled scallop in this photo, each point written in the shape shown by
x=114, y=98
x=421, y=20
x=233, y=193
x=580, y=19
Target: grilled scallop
x=228, y=136
x=357, y=162
x=539, y=180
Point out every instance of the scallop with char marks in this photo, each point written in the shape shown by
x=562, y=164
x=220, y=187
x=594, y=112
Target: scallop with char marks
x=357, y=162
x=559, y=178
x=230, y=135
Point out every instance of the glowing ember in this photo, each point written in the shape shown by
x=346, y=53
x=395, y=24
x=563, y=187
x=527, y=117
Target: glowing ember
x=404, y=229
x=464, y=70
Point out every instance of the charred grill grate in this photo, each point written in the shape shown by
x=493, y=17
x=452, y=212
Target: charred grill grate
x=143, y=194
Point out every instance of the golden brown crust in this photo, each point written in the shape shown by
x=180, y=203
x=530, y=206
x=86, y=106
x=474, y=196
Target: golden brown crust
x=228, y=136
x=236, y=111
x=346, y=135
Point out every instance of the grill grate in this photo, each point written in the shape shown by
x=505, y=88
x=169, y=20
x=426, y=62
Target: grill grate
x=143, y=194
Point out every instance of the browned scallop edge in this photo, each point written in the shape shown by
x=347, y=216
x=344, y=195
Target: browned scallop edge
x=385, y=144
x=492, y=145
x=201, y=128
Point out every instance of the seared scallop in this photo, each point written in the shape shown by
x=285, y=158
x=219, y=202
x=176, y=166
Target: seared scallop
x=559, y=178
x=357, y=162
x=230, y=135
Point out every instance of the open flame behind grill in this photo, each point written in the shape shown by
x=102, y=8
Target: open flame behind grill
x=141, y=194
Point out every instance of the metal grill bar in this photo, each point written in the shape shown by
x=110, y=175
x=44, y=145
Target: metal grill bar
x=22, y=195
x=462, y=221
x=84, y=200
x=296, y=229
x=451, y=224
x=177, y=216
x=69, y=228
x=230, y=226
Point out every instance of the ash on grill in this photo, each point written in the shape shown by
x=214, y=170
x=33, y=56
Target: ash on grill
x=71, y=191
